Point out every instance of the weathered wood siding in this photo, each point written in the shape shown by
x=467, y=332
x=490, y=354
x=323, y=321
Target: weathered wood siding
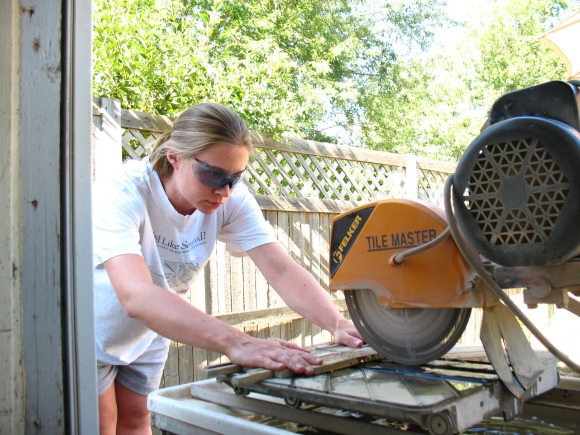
x=300, y=186
x=12, y=381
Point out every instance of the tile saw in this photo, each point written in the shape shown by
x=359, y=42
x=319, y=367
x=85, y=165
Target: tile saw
x=412, y=272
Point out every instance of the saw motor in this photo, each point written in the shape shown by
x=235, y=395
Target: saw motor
x=412, y=272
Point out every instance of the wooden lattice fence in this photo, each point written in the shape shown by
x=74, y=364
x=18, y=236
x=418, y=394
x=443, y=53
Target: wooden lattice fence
x=300, y=186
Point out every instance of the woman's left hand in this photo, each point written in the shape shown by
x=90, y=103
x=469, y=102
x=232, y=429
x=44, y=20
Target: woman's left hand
x=347, y=334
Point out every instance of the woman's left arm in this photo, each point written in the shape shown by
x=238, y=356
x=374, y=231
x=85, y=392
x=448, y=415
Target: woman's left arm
x=302, y=293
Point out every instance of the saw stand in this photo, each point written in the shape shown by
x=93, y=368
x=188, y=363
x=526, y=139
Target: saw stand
x=356, y=390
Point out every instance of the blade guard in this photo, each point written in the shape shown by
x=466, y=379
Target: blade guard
x=365, y=240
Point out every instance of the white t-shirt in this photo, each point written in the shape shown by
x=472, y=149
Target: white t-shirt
x=132, y=215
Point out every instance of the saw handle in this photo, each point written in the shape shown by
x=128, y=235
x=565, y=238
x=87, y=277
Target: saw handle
x=401, y=257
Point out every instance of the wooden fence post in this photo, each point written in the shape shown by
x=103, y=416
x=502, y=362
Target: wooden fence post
x=107, y=137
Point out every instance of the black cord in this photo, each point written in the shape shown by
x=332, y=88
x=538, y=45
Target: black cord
x=479, y=268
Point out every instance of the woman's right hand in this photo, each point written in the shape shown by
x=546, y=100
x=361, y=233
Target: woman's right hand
x=272, y=354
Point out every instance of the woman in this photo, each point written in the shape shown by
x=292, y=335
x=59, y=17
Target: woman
x=155, y=227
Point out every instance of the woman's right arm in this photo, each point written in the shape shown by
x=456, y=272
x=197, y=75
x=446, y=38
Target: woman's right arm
x=174, y=318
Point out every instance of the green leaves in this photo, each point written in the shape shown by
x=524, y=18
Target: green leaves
x=354, y=72
x=435, y=106
x=286, y=66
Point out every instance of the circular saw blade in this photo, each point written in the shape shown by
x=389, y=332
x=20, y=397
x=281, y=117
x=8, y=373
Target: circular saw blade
x=407, y=336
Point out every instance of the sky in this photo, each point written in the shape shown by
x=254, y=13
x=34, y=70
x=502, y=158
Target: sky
x=459, y=11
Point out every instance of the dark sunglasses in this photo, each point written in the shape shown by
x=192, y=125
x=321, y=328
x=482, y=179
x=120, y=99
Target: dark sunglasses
x=213, y=177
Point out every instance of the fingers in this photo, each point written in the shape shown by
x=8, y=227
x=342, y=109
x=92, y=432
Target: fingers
x=297, y=365
x=295, y=358
x=289, y=344
x=270, y=364
x=275, y=355
x=347, y=334
x=351, y=341
x=293, y=363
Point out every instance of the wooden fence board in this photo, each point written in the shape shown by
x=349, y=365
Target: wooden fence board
x=185, y=363
x=304, y=204
x=133, y=119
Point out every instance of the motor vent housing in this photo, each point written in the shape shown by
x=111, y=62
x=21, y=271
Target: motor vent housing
x=517, y=191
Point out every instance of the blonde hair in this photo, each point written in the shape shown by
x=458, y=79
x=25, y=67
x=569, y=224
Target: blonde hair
x=196, y=129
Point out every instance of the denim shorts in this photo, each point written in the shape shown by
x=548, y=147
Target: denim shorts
x=142, y=376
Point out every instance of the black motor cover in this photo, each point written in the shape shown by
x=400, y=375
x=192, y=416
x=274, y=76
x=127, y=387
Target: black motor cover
x=517, y=187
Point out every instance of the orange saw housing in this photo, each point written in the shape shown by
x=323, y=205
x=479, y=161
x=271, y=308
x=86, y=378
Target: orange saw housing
x=365, y=240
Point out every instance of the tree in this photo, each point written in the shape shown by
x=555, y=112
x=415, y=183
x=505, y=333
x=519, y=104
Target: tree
x=442, y=101
x=512, y=56
x=287, y=66
x=353, y=72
